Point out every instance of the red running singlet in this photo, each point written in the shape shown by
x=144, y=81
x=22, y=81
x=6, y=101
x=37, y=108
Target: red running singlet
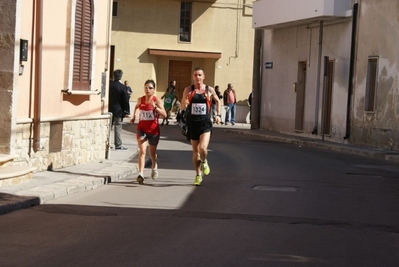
x=148, y=117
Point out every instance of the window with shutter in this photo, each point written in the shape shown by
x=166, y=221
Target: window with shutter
x=83, y=45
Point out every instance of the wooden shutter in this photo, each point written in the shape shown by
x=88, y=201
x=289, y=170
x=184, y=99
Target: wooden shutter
x=83, y=45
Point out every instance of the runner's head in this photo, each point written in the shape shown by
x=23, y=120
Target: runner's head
x=198, y=76
x=149, y=87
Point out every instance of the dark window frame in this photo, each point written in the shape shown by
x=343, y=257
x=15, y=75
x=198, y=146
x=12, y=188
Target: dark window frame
x=371, y=84
x=83, y=42
x=185, y=22
x=114, y=9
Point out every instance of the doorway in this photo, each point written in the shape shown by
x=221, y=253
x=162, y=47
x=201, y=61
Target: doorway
x=328, y=107
x=181, y=72
x=300, y=96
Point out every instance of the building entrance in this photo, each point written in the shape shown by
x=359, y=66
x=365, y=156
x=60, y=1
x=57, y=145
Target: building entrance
x=181, y=72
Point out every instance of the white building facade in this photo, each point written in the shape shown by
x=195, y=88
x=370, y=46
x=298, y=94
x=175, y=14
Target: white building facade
x=329, y=69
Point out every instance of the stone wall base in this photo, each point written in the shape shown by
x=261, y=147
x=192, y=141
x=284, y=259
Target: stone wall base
x=62, y=143
x=16, y=180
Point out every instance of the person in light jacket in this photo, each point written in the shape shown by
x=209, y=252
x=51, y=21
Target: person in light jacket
x=229, y=101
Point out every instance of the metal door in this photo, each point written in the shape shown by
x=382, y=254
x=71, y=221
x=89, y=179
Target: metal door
x=300, y=87
x=328, y=108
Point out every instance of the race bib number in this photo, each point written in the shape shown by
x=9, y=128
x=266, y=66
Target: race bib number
x=168, y=100
x=198, y=108
x=146, y=115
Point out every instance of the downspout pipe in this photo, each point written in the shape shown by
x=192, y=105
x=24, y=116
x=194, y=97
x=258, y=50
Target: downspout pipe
x=103, y=99
x=238, y=26
x=257, y=80
x=38, y=75
x=316, y=119
x=351, y=70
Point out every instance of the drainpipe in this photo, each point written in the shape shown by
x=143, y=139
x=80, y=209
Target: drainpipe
x=103, y=94
x=351, y=71
x=107, y=142
x=257, y=80
x=38, y=75
x=238, y=26
x=316, y=119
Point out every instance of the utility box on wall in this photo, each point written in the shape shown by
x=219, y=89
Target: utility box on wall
x=23, y=50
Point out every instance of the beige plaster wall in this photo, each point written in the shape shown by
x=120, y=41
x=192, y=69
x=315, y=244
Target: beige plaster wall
x=56, y=55
x=377, y=36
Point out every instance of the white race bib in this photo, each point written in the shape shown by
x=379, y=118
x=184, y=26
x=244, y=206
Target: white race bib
x=198, y=108
x=146, y=115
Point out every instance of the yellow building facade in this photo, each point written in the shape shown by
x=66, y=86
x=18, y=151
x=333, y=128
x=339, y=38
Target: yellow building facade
x=165, y=40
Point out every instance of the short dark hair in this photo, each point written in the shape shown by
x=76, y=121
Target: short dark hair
x=198, y=68
x=117, y=74
x=150, y=81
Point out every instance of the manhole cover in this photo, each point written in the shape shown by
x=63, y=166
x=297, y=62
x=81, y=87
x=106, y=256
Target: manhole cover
x=276, y=188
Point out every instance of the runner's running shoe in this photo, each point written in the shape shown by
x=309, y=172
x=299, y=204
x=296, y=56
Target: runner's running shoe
x=198, y=180
x=205, y=167
x=140, y=179
x=154, y=174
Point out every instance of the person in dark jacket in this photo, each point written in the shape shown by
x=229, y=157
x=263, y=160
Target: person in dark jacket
x=214, y=110
x=118, y=105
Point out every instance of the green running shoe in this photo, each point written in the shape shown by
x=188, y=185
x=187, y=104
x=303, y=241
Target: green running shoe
x=198, y=180
x=205, y=167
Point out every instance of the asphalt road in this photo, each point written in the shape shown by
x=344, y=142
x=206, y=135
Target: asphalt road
x=263, y=204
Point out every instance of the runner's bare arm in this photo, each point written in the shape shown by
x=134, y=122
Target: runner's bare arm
x=159, y=107
x=217, y=101
x=184, y=101
x=135, y=110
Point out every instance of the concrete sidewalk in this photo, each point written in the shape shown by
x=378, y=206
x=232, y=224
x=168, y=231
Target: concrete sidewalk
x=318, y=143
x=48, y=185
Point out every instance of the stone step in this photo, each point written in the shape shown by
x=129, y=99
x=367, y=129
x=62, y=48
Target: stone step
x=6, y=157
x=11, y=175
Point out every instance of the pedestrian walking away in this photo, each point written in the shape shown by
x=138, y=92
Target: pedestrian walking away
x=229, y=100
x=118, y=105
x=196, y=102
x=176, y=100
x=148, y=109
